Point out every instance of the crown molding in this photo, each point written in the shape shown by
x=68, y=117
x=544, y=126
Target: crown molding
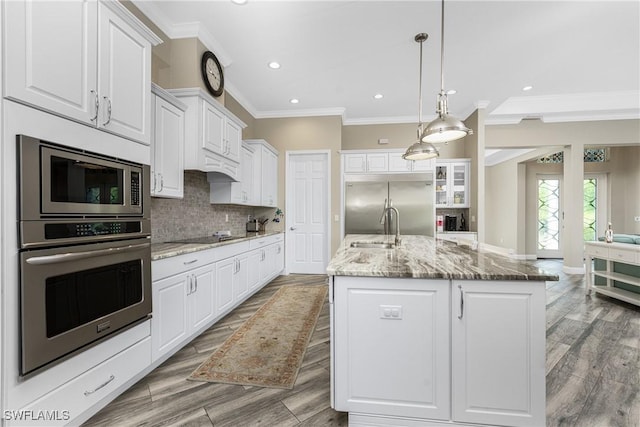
x=183, y=31
x=283, y=114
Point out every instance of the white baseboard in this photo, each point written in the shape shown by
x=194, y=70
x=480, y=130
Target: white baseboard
x=573, y=270
x=508, y=252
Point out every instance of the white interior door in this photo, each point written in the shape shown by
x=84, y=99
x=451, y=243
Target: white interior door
x=307, y=218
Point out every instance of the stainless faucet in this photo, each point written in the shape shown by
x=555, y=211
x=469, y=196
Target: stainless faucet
x=388, y=207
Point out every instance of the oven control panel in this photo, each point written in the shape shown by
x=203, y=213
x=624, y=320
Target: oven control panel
x=65, y=230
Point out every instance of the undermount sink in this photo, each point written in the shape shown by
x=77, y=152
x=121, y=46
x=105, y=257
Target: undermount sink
x=374, y=245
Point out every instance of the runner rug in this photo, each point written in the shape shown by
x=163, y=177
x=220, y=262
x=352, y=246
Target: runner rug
x=267, y=350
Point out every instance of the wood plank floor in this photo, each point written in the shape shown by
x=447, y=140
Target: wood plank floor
x=593, y=371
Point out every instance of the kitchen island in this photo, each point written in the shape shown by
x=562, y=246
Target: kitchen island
x=433, y=333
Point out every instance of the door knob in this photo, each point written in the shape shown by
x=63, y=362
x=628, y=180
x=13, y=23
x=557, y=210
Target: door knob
x=292, y=228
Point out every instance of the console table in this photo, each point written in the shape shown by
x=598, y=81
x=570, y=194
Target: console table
x=621, y=275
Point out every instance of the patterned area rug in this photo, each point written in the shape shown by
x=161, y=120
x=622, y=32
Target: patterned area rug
x=267, y=350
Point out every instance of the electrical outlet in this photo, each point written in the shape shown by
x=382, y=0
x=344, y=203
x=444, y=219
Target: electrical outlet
x=637, y=219
x=226, y=217
x=391, y=312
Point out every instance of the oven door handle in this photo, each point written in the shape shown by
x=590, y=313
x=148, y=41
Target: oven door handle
x=74, y=256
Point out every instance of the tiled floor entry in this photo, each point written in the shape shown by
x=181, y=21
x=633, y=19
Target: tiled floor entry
x=593, y=371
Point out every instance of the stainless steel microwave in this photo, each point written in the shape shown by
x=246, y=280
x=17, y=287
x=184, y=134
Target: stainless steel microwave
x=59, y=181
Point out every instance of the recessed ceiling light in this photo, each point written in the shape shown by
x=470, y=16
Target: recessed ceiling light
x=239, y=1
x=451, y=91
x=378, y=96
x=274, y=65
x=294, y=100
x=526, y=88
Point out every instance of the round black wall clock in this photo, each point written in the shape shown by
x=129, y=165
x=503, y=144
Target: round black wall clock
x=212, y=73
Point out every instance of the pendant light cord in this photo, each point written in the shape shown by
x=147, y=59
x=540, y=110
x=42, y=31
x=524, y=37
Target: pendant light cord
x=420, y=92
x=442, y=49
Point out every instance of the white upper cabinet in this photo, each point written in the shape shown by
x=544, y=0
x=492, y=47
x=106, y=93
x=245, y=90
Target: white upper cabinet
x=452, y=183
x=85, y=60
x=239, y=193
x=362, y=162
x=167, y=145
x=213, y=134
x=382, y=161
x=265, y=173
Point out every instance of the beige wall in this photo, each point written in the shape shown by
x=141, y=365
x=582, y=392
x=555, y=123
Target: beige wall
x=306, y=133
x=474, y=149
x=509, y=227
x=535, y=133
x=364, y=137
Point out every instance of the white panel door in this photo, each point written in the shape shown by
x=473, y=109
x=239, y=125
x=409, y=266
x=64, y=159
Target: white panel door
x=307, y=217
x=498, y=352
x=51, y=47
x=124, y=78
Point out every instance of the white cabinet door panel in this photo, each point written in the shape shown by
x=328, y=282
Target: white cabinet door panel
x=375, y=327
x=167, y=150
x=225, y=270
x=52, y=50
x=213, y=129
x=498, y=352
x=169, y=321
x=202, y=297
x=124, y=78
x=398, y=164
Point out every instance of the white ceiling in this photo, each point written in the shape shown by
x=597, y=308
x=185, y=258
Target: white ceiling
x=581, y=57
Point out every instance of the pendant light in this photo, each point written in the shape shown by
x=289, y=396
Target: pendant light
x=444, y=128
x=420, y=150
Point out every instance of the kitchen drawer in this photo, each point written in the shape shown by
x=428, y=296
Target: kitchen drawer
x=84, y=391
x=622, y=256
x=179, y=264
x=265, y=241
x=597, y=251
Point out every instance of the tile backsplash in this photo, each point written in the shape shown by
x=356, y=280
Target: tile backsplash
x=194, y=216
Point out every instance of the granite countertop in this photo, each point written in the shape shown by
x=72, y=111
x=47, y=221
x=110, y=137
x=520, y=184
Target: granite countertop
x=171, y=249
x=428, y=258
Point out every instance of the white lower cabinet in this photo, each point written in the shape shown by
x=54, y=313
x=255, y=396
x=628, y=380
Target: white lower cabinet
x=89, y=388
x=269, y=255
x=391, y=346
x=225, y=272
x=192, y=291
x=253, y=275
x=182, y=305
x=498, y=351
x=438, y=352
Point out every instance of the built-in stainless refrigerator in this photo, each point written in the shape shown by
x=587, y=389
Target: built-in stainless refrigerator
x=411, y=194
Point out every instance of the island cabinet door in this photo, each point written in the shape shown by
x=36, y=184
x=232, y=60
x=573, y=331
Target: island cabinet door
x=391, y=347
x=498, y=352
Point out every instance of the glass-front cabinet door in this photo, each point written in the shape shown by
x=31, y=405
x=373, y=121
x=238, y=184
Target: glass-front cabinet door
x=452, y=184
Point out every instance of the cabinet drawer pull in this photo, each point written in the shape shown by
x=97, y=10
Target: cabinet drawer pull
x=104, y=384
x=461, y=303
x=190, y=262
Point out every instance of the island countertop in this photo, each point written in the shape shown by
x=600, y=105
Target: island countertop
x=428, y=258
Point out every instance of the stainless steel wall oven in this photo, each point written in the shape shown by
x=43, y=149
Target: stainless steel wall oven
x=84, y=249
